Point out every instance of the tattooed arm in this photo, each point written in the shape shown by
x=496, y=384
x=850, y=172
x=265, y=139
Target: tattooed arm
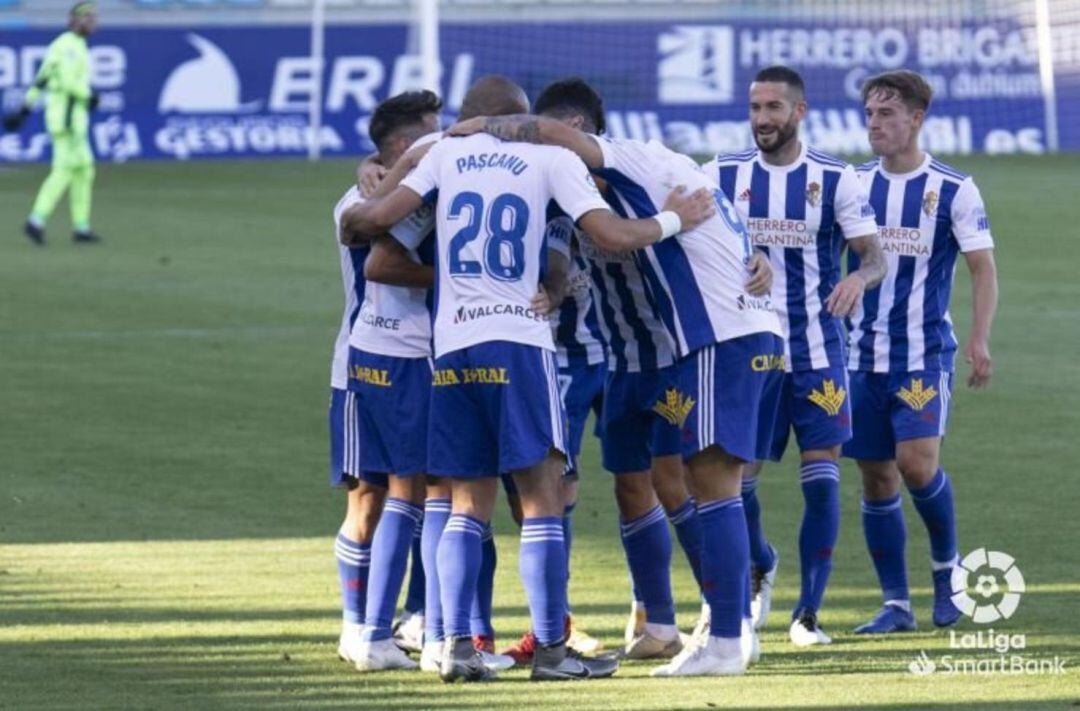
x=526, y=128
x=845, y=297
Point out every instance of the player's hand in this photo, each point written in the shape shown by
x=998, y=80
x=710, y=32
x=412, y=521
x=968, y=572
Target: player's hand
x=368, y=176
x=93, y=101
x=692, y=208
x=845, y=296
x=760, y=281
x=467, y=127
x=977, y=354
x=541, y=303
x=14, y=120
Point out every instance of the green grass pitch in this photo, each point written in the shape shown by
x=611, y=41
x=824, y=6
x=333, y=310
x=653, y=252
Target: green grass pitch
x=166, y=527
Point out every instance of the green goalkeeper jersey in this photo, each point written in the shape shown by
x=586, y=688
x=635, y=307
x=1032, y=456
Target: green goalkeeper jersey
x=65, y=77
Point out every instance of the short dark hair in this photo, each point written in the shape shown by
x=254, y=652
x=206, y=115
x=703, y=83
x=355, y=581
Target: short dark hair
x=910, y=87
x=405, y=109
x=782, y=75
x=572, y=96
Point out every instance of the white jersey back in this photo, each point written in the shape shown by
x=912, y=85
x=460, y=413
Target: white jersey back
x=396, y=320
x=491, y=216
x=697, y=278
x=352, y=279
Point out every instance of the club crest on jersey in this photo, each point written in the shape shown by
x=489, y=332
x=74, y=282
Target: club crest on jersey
x=813, y=194
x=744, y=196
x=830, y=398
x=675, y=407
x=930, y=203
x=917, y=396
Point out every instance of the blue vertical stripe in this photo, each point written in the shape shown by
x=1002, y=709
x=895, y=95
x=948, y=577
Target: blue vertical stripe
x=616, y=343
x=646, y=349
x=829, y=246
x=693, y=316
x=879, y=199
x=566, y=332
x=358, y=255
x=938, y=337
x=728, y=176
x=759, y=192
x=905, y=277
x=795, y=270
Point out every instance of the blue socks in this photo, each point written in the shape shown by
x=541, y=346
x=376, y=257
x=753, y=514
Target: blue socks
x=543, y=572
x=688, y=531
x=934, y=502
x=436, y=513
x=414, y=594
x=725, y=564
x=647, y=543
x=353, y=562
x=459, y=559
x=568, y=540
x=820, y=527
x=886, y=536
x=480, y=622
x=761, y=554
x=389, y=557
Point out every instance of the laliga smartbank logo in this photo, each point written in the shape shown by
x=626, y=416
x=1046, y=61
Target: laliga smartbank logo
x=987, y=587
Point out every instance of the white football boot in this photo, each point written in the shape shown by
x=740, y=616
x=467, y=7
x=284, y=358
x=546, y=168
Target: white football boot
x=381, y=655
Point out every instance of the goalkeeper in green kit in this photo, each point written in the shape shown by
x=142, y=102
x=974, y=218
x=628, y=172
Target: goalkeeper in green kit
x=65, y=78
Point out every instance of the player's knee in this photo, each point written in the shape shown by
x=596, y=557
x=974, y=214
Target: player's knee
x=634, y=494
x=880, y=479
x=752, y=469
x=831, y=454
x=917, y=462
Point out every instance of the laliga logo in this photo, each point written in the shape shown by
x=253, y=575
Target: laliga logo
x=207, y=84
x=997, y=584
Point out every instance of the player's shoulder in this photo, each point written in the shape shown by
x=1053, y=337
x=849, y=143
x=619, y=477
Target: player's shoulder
x=936, y=166
x=826, y=160
x=735, y=158
x=349, y=198
x=868, y=167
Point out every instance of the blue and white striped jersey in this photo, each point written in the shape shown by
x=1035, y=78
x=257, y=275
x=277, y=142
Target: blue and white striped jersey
x=352, y=279
x=925, y=218
x=799, y=215
x=576, y=325
x=698, y=278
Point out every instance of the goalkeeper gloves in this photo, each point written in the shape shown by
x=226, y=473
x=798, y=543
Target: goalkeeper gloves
x=14, y=120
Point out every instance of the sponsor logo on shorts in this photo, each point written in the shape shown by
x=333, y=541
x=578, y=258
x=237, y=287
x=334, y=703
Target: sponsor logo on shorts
x=372, y=376
x=830, y=398
x=770, y=361
x=465, y=376
x=917, y=396
x=675, y=407
x=465, y=314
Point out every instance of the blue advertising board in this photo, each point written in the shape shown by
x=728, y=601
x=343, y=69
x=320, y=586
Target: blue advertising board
x=219, y=91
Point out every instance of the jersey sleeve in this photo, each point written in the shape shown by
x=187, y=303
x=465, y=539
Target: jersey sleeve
x=558, y=234
x=415, y=228
x=424, y=179
x=45, y=73
x=852, y=206
x=570, y=183
x=971, y=226
x=625, y=157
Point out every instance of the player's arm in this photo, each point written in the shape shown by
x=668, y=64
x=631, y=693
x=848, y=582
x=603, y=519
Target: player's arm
x=855, y=218
x=369, y=174
x=553, y=290
x=848, y=292
x=14, y=120
x=389, y=263
x=760, y=281
x=682, y=211
x=526, y=128
x=984, y=298
x=390, y=203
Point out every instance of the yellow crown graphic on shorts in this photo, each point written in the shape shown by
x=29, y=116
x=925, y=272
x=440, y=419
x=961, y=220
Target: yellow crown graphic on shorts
x=917, y=397
x=675, y=408
x=831, y=400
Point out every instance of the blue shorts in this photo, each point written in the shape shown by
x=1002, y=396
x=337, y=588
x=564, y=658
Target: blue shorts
x=582, y=391
x=394, y=396
x=495, y=408
x=887, y=408
x=636, y=427
x=721, y=395
x=816, y=404
x=344, y=420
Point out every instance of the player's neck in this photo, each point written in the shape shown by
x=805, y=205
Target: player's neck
x=905, y=161
x=783, y=156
